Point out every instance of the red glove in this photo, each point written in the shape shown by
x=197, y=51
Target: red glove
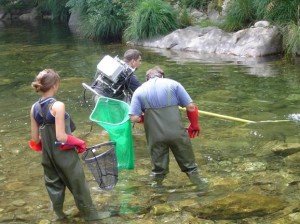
x=73, y=142
x=66, y=147
x=194, y=128
x=35, y=146
x=141, y=119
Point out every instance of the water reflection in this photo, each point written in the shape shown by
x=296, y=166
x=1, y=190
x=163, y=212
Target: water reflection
x=252, y=168
x=259, y=66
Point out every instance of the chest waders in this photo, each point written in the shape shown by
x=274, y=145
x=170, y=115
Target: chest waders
x=164, y=130
x=63, y=168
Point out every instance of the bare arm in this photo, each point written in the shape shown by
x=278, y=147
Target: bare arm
x=190, y=107
x=58, y=111
x=34, y=127
x=135, y=118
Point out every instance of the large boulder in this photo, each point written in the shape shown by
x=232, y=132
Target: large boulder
x=2, y=13
x=32, y=15
x=74, y=22
x=259, y=40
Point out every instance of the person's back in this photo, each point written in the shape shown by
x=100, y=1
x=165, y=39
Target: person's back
x=62, y=166
x=164, y=95
x=162, y=92
x=156, y=103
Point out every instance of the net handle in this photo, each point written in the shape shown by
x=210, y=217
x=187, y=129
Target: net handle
x=85, y=153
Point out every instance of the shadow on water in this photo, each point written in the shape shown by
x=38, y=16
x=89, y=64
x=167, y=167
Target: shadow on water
x=252, y=168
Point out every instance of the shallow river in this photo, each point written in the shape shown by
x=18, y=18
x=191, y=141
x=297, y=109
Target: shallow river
x=249, y=157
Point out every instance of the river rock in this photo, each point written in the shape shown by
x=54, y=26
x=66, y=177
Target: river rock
x=160, y=209
x=19, y=203
x=293, y=98
x=262, y=24
x=252, y=166
x=33, y=14
x=8, y=218
x=74, y=22
x=286, y=149
x=294, y=217
x=293, y=161
x=255, y=41
x=44, y=221
x=2, y=13
x=14, y=186
x=239, y=205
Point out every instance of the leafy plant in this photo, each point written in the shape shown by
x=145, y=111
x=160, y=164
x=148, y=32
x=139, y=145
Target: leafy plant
x=9, y=5
x=217, y=5
x=239, y=14
x=291, y=39
x=103, y=19
x=151, y=18
x=185, y=18
x=276, y=10
x=57, y=9
x=198, y=4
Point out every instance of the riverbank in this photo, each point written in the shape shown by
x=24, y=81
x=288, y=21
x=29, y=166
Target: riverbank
x=263, y=39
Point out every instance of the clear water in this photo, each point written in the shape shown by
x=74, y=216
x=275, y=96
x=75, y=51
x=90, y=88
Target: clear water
x=228, y=149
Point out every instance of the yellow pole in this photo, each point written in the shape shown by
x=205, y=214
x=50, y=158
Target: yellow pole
x=222, y=116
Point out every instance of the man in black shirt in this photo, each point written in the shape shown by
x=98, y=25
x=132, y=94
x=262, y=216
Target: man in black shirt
x=123, y=86
x=133, y=58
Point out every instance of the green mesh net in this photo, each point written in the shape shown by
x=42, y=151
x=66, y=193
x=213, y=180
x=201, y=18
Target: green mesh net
x=113, y=116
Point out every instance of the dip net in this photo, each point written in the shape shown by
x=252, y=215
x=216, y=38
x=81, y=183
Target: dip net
x=112, y=115
x=101, y=160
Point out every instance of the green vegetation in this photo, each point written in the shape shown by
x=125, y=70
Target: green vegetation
x=102, y=19
x=151, y=18
x=240, y=13
x=197, y=4
x=277, y=11
x=185, y=18
x=117, y=20
x=291, y=40
x=56, y=8
x=9, y=5
x=284, y=14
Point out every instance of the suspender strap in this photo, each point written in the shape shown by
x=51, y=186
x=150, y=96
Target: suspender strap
x=43, y=112
x=168, y=98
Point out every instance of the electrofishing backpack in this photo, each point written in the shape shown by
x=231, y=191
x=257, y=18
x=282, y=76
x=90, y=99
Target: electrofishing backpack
x=111, y=79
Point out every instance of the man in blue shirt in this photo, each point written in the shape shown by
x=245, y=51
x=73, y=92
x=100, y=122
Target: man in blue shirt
x=156, y=103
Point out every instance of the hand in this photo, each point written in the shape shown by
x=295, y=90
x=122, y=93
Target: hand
x=80, y=150
x=36, y=146
x=73, y=142
x=193, y=132
x=194, y=128
x=141, y=119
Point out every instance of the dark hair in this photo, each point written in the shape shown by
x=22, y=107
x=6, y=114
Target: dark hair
x=45, y=80
x=132, y=54
x=155, y=72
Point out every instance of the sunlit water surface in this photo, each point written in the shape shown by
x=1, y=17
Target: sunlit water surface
x=237, y=158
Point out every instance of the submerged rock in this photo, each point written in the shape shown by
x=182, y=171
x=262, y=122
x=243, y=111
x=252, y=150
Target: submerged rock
x=239, y=205
x=292, y=161
x=160, y=209
x=19, y=203
x=286, y=149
